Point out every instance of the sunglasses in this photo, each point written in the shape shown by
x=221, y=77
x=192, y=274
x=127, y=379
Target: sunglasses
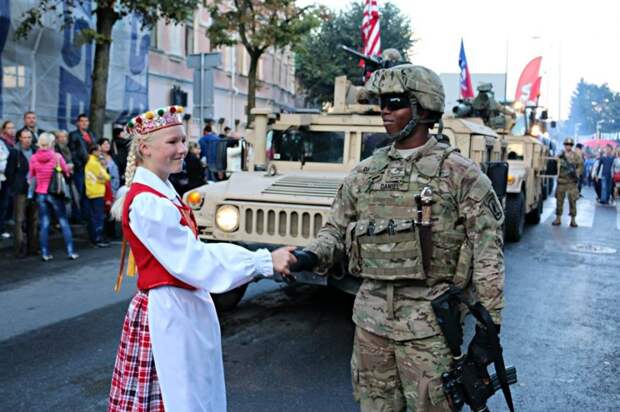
x=393, y=103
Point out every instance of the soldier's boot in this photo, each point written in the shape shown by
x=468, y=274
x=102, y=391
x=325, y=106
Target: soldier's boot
x=573, y=222
x=557, y=221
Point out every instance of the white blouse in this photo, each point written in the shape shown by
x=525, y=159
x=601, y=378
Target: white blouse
x=184, y=328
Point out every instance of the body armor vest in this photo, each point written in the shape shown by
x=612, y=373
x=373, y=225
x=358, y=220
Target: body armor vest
x=384, y=241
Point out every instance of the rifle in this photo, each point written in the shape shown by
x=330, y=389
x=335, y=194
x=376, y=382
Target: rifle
x=372, y=63
x=469, y=382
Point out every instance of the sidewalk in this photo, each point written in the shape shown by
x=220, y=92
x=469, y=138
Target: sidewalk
x=79, y=233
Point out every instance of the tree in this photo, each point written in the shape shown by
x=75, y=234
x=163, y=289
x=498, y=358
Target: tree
x=259, y=25
x=318, y=60
x=593, y=108
x=107, y=13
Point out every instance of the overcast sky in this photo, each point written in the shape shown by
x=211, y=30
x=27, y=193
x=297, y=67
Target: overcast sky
x=576, y=39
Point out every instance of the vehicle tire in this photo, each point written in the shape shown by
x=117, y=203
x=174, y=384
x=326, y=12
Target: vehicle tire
x=515, y=216
x=229, y=300
x=534, y=216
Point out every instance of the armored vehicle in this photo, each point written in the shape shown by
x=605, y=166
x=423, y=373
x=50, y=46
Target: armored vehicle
x=297, y=162
x=525, y=154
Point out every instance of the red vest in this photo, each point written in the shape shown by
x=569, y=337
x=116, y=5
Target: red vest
x=151, y=273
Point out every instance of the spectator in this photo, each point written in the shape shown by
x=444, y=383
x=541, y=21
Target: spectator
x=110, y=164
x=42, y=165
x=605, y=165
x=96, y=177
x=79, y=141
x=616, y=173
x=208, y=150
x=120, y=150
x=588, y=164
x=596, y=176
x=7, y=143
x=30, y=124
x=24, y=207
x=8, y=133
x=62, y=147
x=194, y=167
x=226, y=133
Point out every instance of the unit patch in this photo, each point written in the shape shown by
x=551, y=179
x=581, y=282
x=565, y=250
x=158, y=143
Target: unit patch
x=490, y=202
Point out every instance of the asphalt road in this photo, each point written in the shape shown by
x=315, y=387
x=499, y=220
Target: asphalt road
x=289, y=348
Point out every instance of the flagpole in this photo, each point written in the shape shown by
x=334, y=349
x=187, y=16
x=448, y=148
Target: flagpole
x=506, y=69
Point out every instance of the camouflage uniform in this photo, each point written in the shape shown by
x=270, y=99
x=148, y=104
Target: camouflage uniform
x=399, y=352
x=567, y=184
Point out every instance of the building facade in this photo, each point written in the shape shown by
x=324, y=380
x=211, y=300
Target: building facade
x=50, y=73
x=168, y=72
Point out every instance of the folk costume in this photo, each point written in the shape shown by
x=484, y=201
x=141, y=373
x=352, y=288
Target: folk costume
x=170, y=356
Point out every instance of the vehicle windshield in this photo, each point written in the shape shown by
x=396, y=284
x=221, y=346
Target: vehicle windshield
x=290, y=145
x=519, y=127
x=372, y=142
x=515, y=151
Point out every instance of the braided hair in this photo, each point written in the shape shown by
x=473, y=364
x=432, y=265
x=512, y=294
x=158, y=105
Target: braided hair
x=134, y=159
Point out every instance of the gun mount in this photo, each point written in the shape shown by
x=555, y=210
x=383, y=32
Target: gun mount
x=484, y=106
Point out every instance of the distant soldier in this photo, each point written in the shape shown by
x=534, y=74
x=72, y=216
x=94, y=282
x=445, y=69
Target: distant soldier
x=390, y=58
x=571, y=167
x=414, y=219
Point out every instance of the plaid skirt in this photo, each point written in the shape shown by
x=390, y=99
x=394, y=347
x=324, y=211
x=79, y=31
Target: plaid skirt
x=135, y=386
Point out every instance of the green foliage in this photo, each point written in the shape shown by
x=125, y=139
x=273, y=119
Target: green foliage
x=592, y=104
x=259, y=24
x=150, y=12
x=318, y=60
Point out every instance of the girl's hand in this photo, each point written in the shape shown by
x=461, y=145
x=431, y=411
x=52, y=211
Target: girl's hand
x=282, y=259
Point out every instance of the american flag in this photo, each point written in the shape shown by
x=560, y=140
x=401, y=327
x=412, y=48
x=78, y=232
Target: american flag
x=371, y=30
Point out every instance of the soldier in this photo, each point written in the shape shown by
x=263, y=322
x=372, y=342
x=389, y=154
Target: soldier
x=571, y=167
x=406, y=258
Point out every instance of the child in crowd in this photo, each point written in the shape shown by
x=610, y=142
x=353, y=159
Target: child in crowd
x=96, y=176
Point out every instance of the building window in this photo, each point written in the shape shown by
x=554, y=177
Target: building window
x=189, y=40
x=154, y=36
x=14, y=77
x=175, y=39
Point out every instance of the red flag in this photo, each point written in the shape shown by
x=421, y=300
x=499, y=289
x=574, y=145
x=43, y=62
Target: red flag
x=535, y=91
x=527, y=81
x=371, y=30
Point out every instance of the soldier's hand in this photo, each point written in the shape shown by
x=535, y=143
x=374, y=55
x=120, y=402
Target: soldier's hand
x=282, y=259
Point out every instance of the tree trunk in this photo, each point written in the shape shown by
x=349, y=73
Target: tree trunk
x=106, y=18
x=251, y=102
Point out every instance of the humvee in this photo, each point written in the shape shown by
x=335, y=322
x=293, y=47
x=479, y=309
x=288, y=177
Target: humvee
x=296, y=163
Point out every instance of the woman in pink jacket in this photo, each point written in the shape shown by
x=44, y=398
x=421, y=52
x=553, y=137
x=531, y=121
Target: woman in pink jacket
x=42, y=167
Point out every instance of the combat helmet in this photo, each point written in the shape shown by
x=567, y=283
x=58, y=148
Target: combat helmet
x=423, y=87
x=570, y=141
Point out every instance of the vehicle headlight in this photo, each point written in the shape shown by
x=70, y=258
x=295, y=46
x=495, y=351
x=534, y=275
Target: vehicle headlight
x=227, y=218
x=511, y=179
x=194, y=200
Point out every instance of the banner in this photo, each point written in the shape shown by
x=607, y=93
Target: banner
x=527, y=81
x=50, y=75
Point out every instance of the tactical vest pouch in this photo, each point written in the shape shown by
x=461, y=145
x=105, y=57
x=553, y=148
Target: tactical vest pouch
x=353, y=250
x=447, y=244
x=389, y=249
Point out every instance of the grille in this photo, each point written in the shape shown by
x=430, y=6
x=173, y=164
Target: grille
x=269, y=223
x=304, y=186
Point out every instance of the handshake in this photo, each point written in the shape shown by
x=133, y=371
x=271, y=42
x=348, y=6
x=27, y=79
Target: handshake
x=290, y=259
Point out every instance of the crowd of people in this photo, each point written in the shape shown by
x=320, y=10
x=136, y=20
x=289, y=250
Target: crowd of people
x=90, y=170
x=602, y=170
x=54, y=179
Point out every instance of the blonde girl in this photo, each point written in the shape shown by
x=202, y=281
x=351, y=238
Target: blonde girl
x=170, y=353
